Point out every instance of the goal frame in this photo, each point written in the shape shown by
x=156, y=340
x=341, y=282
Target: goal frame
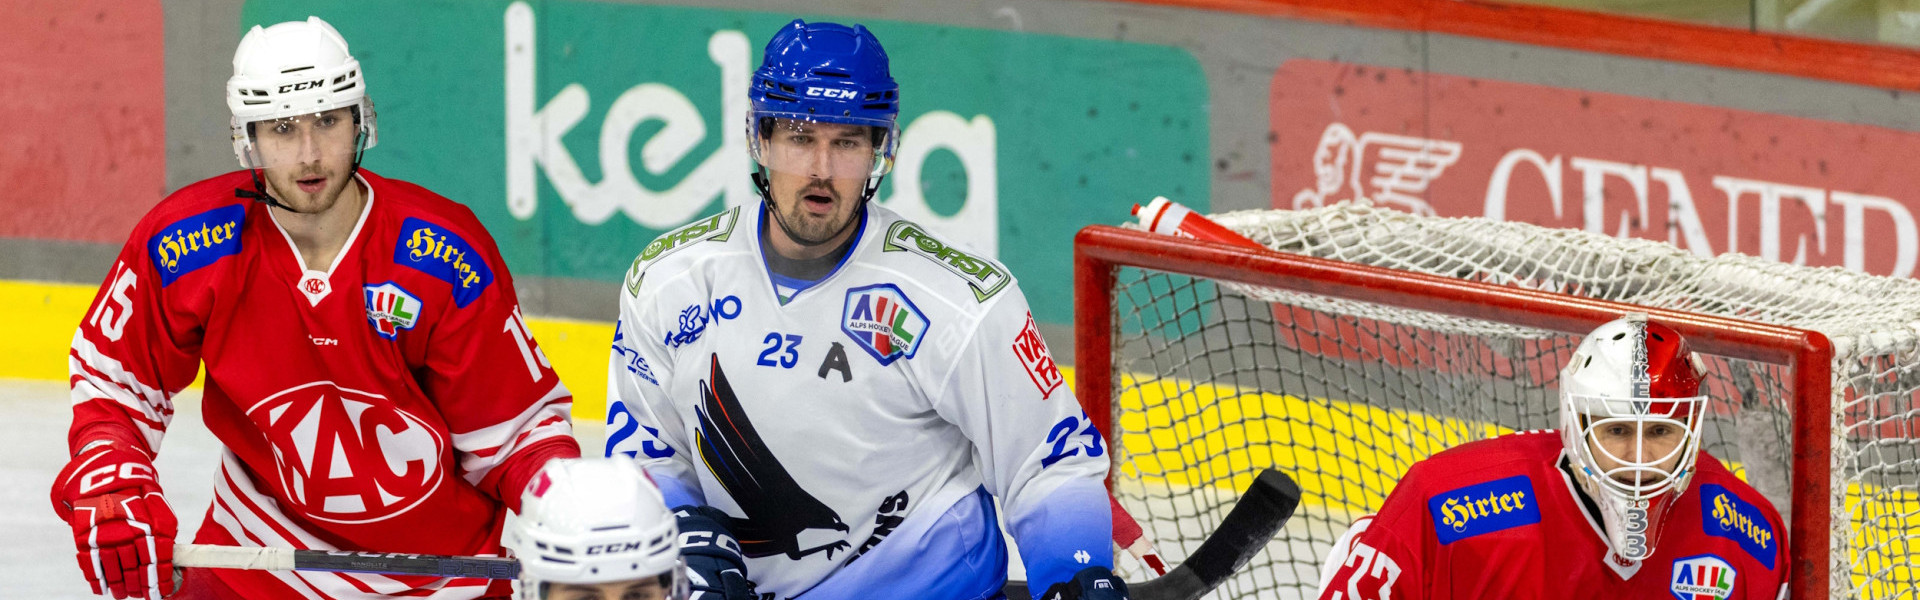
x=1099, y=250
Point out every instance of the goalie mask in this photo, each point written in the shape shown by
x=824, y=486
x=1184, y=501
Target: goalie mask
x=1630, y=416
x=296, y=96
x=596, y=524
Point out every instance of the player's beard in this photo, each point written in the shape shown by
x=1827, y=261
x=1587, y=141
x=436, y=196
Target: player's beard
x=284, y=184
x=805, y=227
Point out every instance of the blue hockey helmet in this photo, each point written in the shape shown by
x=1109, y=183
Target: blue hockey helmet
x=829, y=73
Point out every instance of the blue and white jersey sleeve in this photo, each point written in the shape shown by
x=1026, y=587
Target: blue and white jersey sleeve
x=1035, y=448
x=641, y=423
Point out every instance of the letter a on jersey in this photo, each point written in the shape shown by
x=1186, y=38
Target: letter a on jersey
x=777, y=508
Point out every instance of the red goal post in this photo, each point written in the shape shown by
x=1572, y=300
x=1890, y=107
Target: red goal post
x=1100, y=251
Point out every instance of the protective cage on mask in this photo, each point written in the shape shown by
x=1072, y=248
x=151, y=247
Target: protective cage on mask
x=1377, y=338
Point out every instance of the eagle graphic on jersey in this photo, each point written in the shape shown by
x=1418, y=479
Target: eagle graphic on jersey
x=777, y=508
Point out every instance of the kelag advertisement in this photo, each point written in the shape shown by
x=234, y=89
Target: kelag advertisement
x=579, y=131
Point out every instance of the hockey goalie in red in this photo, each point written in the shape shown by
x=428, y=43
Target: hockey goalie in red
x=368, y=370
x=1621, y=504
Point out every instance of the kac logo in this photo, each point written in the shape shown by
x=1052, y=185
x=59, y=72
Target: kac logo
x=1703, y=577
x=881, y=319
x=1484, y=508
x=349, y=456
x=434, y=250
x=693, y=320
x=391, y=309
x=196, y=241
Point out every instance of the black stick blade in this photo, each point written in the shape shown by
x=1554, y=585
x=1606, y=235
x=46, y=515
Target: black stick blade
x=1253, y=522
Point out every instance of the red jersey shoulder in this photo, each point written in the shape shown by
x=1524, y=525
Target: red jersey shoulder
x=438, y=237
x=1732, y=509
x=195, y=226
x=1485, y=486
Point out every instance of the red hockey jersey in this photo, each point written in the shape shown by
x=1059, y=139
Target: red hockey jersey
x=1499, y=519
x=393, y=401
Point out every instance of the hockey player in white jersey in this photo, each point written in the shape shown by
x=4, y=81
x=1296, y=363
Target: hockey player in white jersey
x=843, y=391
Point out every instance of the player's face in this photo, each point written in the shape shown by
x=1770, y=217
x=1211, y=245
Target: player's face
x=647, y=589
x=1637, y=442
x=816, y=173
x=308, y=157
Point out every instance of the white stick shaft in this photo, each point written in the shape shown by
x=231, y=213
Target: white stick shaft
x=231, y=557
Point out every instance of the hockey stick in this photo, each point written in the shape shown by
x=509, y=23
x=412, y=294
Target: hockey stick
x=1265, y=507
x=1253, y=522
x=288, y=559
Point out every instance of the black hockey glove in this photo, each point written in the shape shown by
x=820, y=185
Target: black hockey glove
x=714, y=565
x=1091, y=583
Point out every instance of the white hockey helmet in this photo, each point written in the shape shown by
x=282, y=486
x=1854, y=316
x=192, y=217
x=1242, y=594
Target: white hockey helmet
x=294, y=70
x=1628, y=378
x=594, y=521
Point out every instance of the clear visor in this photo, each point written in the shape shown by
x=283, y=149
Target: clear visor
x=1639, y=447
x=302, y=139
x=822, y=150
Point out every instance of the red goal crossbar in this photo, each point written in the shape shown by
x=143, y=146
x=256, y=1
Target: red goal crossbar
x=1099, y=250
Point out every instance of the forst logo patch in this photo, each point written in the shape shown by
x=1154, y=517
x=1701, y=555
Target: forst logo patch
x=881, y=319
x=1726, y=515
x=1483, y=508
x=437, y=251
x=1703, y=577
x=196, y=241
x=391, y=309
x=349, y=456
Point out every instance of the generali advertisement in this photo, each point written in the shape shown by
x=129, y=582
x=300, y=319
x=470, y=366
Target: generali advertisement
x=1704, y=178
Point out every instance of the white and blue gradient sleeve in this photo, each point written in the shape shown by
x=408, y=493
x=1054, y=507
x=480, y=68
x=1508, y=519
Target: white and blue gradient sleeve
x=641, y=423
x=1036, y=450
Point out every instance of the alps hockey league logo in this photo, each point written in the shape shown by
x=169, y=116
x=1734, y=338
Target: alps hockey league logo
x=391, y=309
x=881, y=319
x=1703, y=577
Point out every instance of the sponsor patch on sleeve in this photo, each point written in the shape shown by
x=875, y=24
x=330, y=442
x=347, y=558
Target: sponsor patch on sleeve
x=1484, y=508
x=437, y=251
x=881, y=319
x=1703, y=577
x=196, y=241
x=1032, y=350
x=1724, y=514
x=985, y=277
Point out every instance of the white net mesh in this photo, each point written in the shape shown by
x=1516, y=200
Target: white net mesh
x=1217, y=380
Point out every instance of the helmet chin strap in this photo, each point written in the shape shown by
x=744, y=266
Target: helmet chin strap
x=766, y=195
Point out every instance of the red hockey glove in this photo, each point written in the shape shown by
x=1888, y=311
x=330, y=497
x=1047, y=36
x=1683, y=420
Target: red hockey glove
x=121, y=525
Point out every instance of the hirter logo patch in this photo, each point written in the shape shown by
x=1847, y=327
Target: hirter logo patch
x=1703, y=577
x=437, y=251
x=1726, y=515
x=881, y=319
x=1032, y=350
x=391, y=309
x=1484, y=508
x=196, y=241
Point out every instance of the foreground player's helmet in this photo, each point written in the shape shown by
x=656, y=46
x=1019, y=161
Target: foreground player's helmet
x=595, y=522
x=287, y=80
x=816, y=74
x=1630, y=381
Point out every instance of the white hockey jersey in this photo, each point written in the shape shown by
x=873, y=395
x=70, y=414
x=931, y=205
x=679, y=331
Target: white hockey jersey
x=874, y=403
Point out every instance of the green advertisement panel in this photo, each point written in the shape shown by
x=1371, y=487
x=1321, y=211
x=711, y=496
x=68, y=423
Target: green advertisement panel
x=578, y=131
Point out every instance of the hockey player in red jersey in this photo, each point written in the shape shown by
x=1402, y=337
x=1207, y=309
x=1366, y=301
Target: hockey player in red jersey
x=1621, y=504
x=367, y=367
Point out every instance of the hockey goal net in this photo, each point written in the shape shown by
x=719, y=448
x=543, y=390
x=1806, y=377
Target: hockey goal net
x=1376, y=338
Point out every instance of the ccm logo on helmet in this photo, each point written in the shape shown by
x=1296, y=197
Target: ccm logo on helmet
x=832, y=93
x=614, y=548
x=304, y=85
